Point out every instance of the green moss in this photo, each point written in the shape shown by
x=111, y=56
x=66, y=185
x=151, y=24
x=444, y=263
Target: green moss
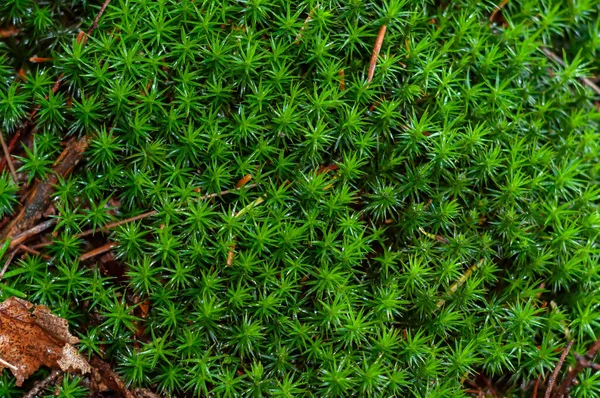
x=436, y=223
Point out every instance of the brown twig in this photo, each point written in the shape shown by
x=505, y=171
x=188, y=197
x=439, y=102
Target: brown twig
x=214, y=195
x=579, y=366
x=586, y=363
x=83, y=38
x=115, y=224
x=558, y=60
x=39, y=197
x=7, y=157
x=376, y=50
x=11, y=146
x=97, y=251
x=498, y=8
x=17, y=240
x=7, y=263
x=34, y=252
x=42, y=384
x=559, y=365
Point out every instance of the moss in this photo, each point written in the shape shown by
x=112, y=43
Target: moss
x=408, y=236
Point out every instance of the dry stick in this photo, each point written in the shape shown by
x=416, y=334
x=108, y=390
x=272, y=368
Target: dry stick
x=570, y=378
x=82, y=37
x=214, y=195
x=97, y=19
x=42, y=384
x=100, y=250
x=151, y=213
x=34, y=252
x=7, y=263
x=115, y=224
x=558, y=60
x=11, y=146
x=498, y=8
x=230, y=254
x=8, y=159
x=39, y=197
x=17, y=240
x=376, y=51
x=557, y=369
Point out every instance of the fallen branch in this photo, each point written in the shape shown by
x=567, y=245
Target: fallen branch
x=536, y=387
x=228, y=191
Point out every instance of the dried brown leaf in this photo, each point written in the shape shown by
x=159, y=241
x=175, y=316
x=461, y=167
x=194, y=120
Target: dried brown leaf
x=31, y=336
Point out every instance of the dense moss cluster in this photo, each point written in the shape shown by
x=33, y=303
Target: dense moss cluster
x=399, y=237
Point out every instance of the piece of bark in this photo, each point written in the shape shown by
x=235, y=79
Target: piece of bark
x=31, y=337
x=105, y=379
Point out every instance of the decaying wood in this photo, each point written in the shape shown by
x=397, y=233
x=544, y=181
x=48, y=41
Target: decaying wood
x=39, y=197
x=43, y=384
x=105, y=379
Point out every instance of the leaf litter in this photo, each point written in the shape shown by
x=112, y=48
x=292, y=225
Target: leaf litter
x=31, y=337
